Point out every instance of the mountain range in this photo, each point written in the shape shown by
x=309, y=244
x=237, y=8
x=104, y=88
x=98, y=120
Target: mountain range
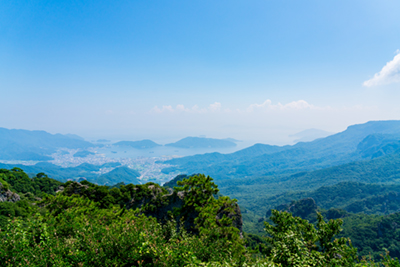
x=36, y=145
x=357, y=142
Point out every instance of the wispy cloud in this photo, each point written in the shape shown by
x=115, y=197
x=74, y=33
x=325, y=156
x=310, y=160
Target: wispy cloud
x=215, y=107
x=294, y=105
x=390, y=73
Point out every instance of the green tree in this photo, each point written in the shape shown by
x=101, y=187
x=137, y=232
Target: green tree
x=296, y=242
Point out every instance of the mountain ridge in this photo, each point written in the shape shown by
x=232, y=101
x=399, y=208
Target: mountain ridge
x=17, y=144
x=325, y=152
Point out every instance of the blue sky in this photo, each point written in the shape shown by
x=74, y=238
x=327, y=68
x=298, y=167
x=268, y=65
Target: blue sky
x=254, y=70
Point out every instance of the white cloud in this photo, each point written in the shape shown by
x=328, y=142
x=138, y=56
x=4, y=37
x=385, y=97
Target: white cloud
x=390, y=73
x=294, y=105
x=156, y=109
x=215, y=107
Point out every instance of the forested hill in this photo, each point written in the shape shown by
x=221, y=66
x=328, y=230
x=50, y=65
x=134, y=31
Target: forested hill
x=84, y=171
x=354, y=197
x=363, y=141
x=260, y=192
x=35, y=145
x=83, y=224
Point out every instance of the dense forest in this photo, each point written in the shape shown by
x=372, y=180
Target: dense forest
x=48, y=223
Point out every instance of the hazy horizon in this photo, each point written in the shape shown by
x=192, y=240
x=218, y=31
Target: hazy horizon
x=255, y=71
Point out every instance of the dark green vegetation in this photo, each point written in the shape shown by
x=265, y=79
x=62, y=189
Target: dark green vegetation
x=18, y=202
x=35, y=145
x=18, y=181
x=350, y=196
x=143, y=144
x=174, y=182
x=254, y=193
x=201, y=142
x=146, y=225
x=257, y=195
x=86, y=171
x=370, y=234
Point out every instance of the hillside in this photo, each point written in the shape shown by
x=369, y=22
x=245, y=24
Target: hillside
x=118, y=222
x=200, y=142
x=118, y=175
x=35, y=145
x=352, y=197
x=257, y=192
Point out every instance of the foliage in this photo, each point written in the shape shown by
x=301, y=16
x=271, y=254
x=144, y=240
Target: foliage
x=199, y=190
x=296, y=242
x=174, y=182
x=10, y=210
x=78, y=231
x=20, y=182
x=89, y=171
x=92, y=225
x=373, y=234
x=370, y=234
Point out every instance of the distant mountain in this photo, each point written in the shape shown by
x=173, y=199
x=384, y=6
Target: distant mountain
x=103, y=141
x=310, y=135
x=232, y=140
x=118, y=175
x=74, y=136
x=143, y=144
x=267, y=160
x=83, y=154
x=35, y=145
x=201, y=142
